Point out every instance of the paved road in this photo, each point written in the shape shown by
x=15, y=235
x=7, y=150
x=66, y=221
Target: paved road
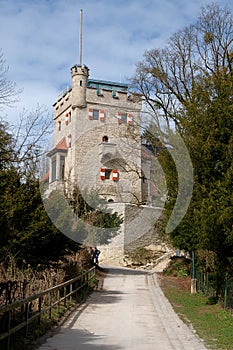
x=130, y=312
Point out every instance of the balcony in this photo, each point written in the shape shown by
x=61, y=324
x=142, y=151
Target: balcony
x=107, y=152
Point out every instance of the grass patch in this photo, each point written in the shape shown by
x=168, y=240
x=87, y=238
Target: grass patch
x=212, y=323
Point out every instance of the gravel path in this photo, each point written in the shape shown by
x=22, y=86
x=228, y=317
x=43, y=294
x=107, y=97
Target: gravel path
x=129, y=312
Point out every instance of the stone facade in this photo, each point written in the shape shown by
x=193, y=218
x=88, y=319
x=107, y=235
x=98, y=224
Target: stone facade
x=99, y=122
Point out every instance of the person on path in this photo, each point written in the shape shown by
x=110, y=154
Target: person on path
x=95, y=256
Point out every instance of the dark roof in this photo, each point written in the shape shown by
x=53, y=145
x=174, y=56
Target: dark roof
x=108, y=85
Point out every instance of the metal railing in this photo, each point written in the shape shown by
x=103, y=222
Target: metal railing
x=207, y=282
x=20, y=314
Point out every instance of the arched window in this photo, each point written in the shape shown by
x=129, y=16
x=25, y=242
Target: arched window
x=105, y=138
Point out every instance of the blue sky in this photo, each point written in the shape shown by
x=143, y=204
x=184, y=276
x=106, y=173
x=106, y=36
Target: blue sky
x=40, y=40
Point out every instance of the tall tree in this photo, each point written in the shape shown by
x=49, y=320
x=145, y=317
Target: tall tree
x=8, y=176
x=188, y=84
x=25, y=229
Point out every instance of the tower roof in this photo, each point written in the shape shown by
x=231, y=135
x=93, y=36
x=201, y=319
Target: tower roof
x=108, y=85
x=61, y=146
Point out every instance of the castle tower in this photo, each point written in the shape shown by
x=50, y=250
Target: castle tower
x=80, y=76
x=97, y=142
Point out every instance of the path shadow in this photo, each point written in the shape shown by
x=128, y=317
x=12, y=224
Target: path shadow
x=105, y=296
x=121, y=271
x=78, y=339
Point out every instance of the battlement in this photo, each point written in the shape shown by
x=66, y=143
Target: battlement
x=78, y=69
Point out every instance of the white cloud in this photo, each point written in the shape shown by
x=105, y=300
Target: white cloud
x=40, y=39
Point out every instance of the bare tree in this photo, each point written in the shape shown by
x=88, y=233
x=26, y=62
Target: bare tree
x=8, y=91
x=166, y=77
x=31, y=137
x=31, y=133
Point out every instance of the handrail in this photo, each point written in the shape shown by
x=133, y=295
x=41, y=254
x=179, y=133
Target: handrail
x=55, y=298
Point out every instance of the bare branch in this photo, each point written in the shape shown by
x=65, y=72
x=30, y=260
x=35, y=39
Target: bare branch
x=31, y=135
x=8, y=91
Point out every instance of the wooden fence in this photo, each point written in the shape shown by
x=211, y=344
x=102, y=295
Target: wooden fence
x=20, y=314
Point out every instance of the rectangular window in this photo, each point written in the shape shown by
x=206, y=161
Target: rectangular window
x=95, y=114
x=114, y=94
x=54, y=166
x=108, y=173
x=98, y=91
x=124, y=118
x=69, y=140
x=62, y=168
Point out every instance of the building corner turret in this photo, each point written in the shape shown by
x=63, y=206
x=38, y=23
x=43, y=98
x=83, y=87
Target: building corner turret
x=80, y=74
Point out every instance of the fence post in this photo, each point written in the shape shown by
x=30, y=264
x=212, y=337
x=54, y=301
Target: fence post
x=87, y=279
x=50, y=304
x=193, y=279
x=71, y=292
x=225, y=295
x=9, y=328
x=207, y=282
x=26, y=319
x=78, y=283
x=39, y=309
x=202, y=282
x=65, y=296
x=58, y=300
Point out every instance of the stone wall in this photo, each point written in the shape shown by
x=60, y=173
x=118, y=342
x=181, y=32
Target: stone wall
x=92, y=154
x=139, y=225
x=137, y=230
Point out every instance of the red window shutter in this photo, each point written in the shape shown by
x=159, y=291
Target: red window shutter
x=102, y=173
x=67, y=118
x=115, y=175
x=129, y=118
x=101, y=115
x=90, y=114
x=119, y=117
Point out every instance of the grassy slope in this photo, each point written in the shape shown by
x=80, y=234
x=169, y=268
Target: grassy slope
x=211, y=322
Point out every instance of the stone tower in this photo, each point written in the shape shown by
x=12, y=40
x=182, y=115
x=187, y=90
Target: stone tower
x=80, y=76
